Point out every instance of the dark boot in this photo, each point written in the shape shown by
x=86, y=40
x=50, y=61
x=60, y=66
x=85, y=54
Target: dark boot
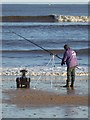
x=72, y=85
x=67, y=84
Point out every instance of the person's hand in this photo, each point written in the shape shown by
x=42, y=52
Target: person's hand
x=62, y=63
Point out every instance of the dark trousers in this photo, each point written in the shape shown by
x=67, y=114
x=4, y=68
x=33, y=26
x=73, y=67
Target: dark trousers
x=71, y=75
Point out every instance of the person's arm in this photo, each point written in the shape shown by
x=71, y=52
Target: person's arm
x=64, y=58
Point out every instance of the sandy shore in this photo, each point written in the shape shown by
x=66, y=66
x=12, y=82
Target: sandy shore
x=31, y=97
x=48, y=100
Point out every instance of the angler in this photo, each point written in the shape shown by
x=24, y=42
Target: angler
x=70, y=69
x=70, y=59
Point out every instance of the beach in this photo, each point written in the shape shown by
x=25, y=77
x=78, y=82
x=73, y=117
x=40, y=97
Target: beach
x=45, y=98
x=37, y=98
x=32, y=38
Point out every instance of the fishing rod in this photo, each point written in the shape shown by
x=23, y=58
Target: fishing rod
x=40, y=47
x=36, y=45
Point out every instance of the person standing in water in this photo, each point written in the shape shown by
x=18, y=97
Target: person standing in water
x=69, y=57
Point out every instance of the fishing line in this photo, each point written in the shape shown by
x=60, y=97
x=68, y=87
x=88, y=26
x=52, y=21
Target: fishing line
x=53, y=64
x=39, y=46
x=51, y=60
x=82, y=69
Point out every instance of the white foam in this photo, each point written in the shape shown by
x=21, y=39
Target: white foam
x=63, y=18
x=45, y=71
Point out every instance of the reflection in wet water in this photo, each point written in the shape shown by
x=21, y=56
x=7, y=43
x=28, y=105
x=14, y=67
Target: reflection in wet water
x=62, y=111
x=45, y=112
x=70, y=90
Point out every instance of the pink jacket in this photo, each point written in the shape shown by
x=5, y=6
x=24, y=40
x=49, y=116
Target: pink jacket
x=70, y=58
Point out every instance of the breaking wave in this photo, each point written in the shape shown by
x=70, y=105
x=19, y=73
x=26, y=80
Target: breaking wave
x=48, y=18
x=43, y=71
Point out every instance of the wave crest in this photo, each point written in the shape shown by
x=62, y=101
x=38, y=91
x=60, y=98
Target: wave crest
x=43, y=71
x=48, y=18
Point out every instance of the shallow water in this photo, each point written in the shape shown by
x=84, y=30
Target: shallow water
x=45, y=112
x=51, y=84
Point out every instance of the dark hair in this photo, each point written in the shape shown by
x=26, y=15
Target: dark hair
x=66, y=46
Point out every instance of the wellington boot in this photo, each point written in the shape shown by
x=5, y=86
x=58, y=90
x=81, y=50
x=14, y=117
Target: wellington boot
x=71, y=85
x=66, y=86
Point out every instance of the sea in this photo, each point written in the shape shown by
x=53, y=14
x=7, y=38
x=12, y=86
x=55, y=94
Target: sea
x=28, y=44
x=34, y=45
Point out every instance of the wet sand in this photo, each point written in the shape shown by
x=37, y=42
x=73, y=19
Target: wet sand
x=46, y=100
x=31, y=97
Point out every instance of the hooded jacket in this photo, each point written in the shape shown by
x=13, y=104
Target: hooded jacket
x=70, y=58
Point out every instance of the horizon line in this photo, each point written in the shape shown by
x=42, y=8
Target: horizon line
x=50, y=3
